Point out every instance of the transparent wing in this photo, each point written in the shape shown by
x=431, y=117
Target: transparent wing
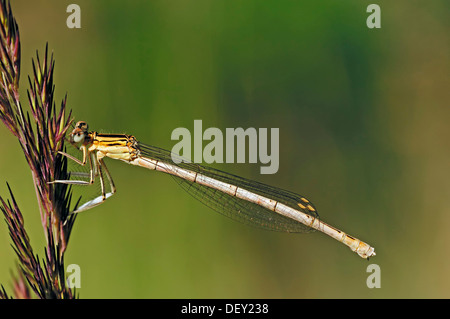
x=233, y=207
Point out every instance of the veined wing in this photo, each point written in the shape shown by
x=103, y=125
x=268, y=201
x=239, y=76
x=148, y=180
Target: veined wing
x=232, y=206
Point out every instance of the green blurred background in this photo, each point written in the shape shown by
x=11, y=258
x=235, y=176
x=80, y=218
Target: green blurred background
x=363, y=117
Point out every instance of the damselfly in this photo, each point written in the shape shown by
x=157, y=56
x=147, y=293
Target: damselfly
x=236, y=197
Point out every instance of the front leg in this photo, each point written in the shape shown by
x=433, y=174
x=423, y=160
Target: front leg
x=86, y=156
x=76, y=160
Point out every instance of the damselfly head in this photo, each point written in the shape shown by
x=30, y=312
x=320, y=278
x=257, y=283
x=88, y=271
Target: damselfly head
x=79, y=133
x=82, y=125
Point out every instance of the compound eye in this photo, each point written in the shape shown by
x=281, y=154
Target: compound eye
x=78, y=137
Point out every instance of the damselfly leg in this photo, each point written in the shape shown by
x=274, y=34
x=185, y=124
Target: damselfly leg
x=96, y=168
